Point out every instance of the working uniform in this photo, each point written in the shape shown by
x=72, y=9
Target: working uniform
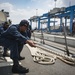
x=29, y=31
x=73, y=28
x=13, y=39
x=2, y=29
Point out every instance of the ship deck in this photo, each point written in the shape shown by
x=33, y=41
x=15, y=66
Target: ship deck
x=59, y=68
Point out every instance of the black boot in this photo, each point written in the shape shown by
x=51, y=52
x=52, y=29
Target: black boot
x=6, y=54
x=19, y=69
x=21, y=58
x=16, y=68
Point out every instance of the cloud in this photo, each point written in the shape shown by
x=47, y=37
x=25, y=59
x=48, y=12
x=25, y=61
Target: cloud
x=6, y=6
x=33, y=0
x=69, y=2
x=16, y=14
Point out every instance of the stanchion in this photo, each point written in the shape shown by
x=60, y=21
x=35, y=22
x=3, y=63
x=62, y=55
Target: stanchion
x=65, y=39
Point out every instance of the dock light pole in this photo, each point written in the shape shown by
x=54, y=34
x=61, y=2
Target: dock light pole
x=36, y=24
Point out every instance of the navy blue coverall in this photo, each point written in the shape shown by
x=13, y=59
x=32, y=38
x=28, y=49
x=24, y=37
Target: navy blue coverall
x=29, y=31
x=2, y=29
x=13, y=39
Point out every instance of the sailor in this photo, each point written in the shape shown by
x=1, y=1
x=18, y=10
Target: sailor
x=14, y=39
x=3, y=27
x=73, y=28
x=29, y=30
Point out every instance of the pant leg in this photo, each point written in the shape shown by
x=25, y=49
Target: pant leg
x=12, y=45
x=14, y=54
x=20, y=47
x=5, y=50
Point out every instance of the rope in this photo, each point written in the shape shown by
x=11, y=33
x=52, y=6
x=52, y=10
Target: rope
x=48, y=57
x=43, y=59
x=39, y=56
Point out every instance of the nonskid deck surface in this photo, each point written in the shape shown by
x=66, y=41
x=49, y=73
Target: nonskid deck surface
x=59, y=68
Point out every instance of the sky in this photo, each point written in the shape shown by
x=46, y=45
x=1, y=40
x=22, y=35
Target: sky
x=24, y=9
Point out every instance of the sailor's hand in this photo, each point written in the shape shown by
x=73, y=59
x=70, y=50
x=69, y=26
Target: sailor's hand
x=31, y=43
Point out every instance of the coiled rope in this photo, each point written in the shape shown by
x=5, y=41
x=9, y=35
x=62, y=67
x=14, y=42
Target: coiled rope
x=46, y=57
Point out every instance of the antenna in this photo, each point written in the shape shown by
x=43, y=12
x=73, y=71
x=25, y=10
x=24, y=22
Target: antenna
x=69, y=3
x=55, y=3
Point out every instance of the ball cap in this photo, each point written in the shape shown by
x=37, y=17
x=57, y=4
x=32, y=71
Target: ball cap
x=6, y=23
x=24, y=23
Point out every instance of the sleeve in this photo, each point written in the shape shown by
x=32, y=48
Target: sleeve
x=17, y=35
x=1, y=30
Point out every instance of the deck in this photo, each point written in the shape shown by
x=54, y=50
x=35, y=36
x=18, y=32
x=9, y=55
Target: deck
x=59, y=68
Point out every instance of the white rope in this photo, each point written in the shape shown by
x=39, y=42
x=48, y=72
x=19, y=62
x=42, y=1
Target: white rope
x=42, y=56
x=42, y=59
x=65, y=58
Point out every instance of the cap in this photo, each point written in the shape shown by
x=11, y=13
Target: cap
x=6, y=23
x=24, y=23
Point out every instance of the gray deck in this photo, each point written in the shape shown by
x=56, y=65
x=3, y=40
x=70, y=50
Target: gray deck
x=59, y=68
